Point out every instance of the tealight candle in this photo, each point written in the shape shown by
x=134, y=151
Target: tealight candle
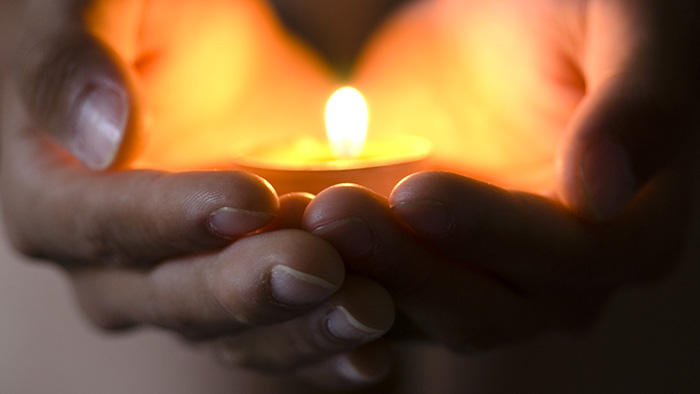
x=306, y=164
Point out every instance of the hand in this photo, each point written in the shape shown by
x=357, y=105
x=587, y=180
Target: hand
x=277, y=301
x=335, y=344
x=471, y=265
x=171, y=250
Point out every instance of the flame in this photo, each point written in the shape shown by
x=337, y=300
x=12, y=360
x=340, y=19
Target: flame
x=346, y=122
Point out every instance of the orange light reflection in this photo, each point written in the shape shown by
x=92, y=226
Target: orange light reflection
x=217, y=73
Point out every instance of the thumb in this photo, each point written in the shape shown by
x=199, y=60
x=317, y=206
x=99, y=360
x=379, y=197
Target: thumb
x=638, y=112
x=80, y=92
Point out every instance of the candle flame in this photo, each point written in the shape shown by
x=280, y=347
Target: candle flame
x=346, y=122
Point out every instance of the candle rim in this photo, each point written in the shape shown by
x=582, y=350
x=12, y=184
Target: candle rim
x=421, y=149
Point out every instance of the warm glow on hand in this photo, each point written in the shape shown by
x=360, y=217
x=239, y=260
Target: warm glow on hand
x=213, y=73
x=486, y=84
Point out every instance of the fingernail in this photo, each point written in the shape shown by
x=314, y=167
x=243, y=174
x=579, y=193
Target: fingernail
x=353, y=238
x=344, y=325
x=101, y=126
x=348, y=370
x=430, y=218
x=292, y=287
x=607, y=178
x=232, y=223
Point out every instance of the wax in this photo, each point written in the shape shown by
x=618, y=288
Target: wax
x=308, y=165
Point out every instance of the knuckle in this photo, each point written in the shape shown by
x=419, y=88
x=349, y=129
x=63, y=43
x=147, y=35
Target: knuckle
x=103, y=319
x=108, y=323
x=95, y=302
x=22, y=243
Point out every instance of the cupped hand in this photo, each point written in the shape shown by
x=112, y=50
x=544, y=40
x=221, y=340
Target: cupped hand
x=472, y=265
x=460, y=302
x=211, y=256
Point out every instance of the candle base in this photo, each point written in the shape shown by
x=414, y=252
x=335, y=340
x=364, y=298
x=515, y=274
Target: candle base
x=384, y=164
x=379, y=179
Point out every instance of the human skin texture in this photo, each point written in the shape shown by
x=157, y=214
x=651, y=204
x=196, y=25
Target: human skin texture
x=607, y=89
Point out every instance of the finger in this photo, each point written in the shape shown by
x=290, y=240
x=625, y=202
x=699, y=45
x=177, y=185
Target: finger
x=291, y=211
x=640, y=104
x=76, y=88
x=537, y=244
x=76, y=217
x=465, y=309
x=360, y=312
x=60, y=210
x=259, y=280
x=365, y=366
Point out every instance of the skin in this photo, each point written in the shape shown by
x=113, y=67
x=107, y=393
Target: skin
x=543, y=263
x=472, y=266
x=463, y=263
x=145, y=241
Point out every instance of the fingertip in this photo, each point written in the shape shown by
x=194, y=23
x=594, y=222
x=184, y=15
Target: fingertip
x=208, y=208
x=428, y=217
x=335, y=202
x=424, y=186
x=366, y=313
x=621, y=136
x=242, y=202
x=84, y=96
x=100, y=125
x=231, y=223
x=353, y=237
x=294, y=287
x=600, y=181
x=340, y=216
x=272, y=276
x=246, y=203
x=344, y=325
x=407, y=187
x=297, y=201
x=291, y=210
x=366, y=365
x=306, y=270
x=422, y=202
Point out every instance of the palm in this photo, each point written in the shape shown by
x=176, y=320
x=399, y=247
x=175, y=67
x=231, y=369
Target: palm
x=492, y=85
